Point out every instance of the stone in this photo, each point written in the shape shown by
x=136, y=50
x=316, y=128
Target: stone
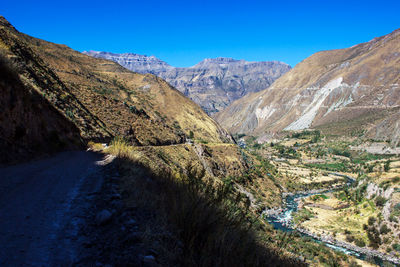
x=149, y=260
x=103, y=217
x=130, y=222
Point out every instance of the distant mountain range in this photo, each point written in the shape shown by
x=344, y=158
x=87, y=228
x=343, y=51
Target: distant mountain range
x=212, y=83
x=353, y=91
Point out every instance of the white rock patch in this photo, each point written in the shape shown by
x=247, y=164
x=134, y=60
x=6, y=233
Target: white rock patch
x=310, y=112
x=265, y=112
x=341, y=103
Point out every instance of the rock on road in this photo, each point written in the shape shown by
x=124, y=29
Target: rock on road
x=42, y=204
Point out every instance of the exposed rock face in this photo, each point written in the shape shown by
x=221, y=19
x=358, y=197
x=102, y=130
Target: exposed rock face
x=135, y=62
x=345, y=91
x=212, y=83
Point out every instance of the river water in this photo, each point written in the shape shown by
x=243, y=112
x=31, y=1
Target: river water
x=283, y=220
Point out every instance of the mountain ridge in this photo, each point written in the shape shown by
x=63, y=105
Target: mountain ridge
x=213, y=83
x=356, y=85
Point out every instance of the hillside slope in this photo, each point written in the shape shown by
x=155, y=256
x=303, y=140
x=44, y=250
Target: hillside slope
x=103, y=99
x=213, y=83
x=29, y=125
x=344, y=91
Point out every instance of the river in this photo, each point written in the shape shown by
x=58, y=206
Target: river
x=282, y=219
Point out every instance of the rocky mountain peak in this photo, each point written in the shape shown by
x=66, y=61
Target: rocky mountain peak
x=132, y=61
x=213, y=83
x=219, y=60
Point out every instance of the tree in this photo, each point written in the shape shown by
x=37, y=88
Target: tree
x=387, y=166
x=384, y=229
x=380, y=201
x=371, y=220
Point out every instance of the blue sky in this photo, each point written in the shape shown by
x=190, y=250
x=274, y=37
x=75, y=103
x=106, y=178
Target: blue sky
x=183, y=33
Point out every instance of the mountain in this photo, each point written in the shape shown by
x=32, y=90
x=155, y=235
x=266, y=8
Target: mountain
x=135, y=62
x=98, y=98
x=345, y=91
x=213, y=83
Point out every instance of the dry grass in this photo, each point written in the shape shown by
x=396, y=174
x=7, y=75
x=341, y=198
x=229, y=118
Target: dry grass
x=120, y=148
x=210, y=225
x=335, y=222
x=196, y=220
x=97, y=147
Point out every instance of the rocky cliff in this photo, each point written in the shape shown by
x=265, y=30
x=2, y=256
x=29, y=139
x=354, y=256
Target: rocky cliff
x=213, y=83
x=345, y=91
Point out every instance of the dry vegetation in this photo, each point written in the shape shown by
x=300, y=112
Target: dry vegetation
x=104, y=99
x=29, y=125
x=210, y=223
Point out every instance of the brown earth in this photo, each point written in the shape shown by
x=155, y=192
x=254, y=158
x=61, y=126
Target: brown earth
x=353, y=91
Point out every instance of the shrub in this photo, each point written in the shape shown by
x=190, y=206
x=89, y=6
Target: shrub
x=387, y=166
x=384, y=229
x=191, y=135
x=396, y=247
x=393, y=218
x=380, y=201
x=359, y=242
x=371, y=220
x=350, y=238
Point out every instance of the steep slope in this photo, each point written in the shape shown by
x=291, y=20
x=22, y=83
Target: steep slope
x=212, y=83
x=344, y=91
x=29, y=125
x=104, y=99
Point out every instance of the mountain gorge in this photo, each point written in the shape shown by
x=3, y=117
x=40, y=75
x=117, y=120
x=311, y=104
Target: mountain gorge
x=353, y=91
x=212, y=83
x=115, y=160
x=159, y=184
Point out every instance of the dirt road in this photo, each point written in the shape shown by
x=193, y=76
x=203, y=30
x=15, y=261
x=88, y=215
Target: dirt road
x=42, y=205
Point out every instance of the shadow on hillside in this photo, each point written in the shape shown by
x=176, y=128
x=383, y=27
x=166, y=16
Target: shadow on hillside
x=193, y=222
x=29, y=125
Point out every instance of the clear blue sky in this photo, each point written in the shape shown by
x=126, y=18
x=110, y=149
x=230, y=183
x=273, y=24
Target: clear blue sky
x=184, y=32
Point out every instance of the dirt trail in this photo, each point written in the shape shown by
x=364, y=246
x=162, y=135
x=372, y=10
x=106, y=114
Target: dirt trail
x=42, y=205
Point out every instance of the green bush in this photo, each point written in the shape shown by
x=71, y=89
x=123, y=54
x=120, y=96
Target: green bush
x=380, y=201
x=371, y=220
x=384, y=229
x=359, y=242
x=387, y=166
x=396, y=247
